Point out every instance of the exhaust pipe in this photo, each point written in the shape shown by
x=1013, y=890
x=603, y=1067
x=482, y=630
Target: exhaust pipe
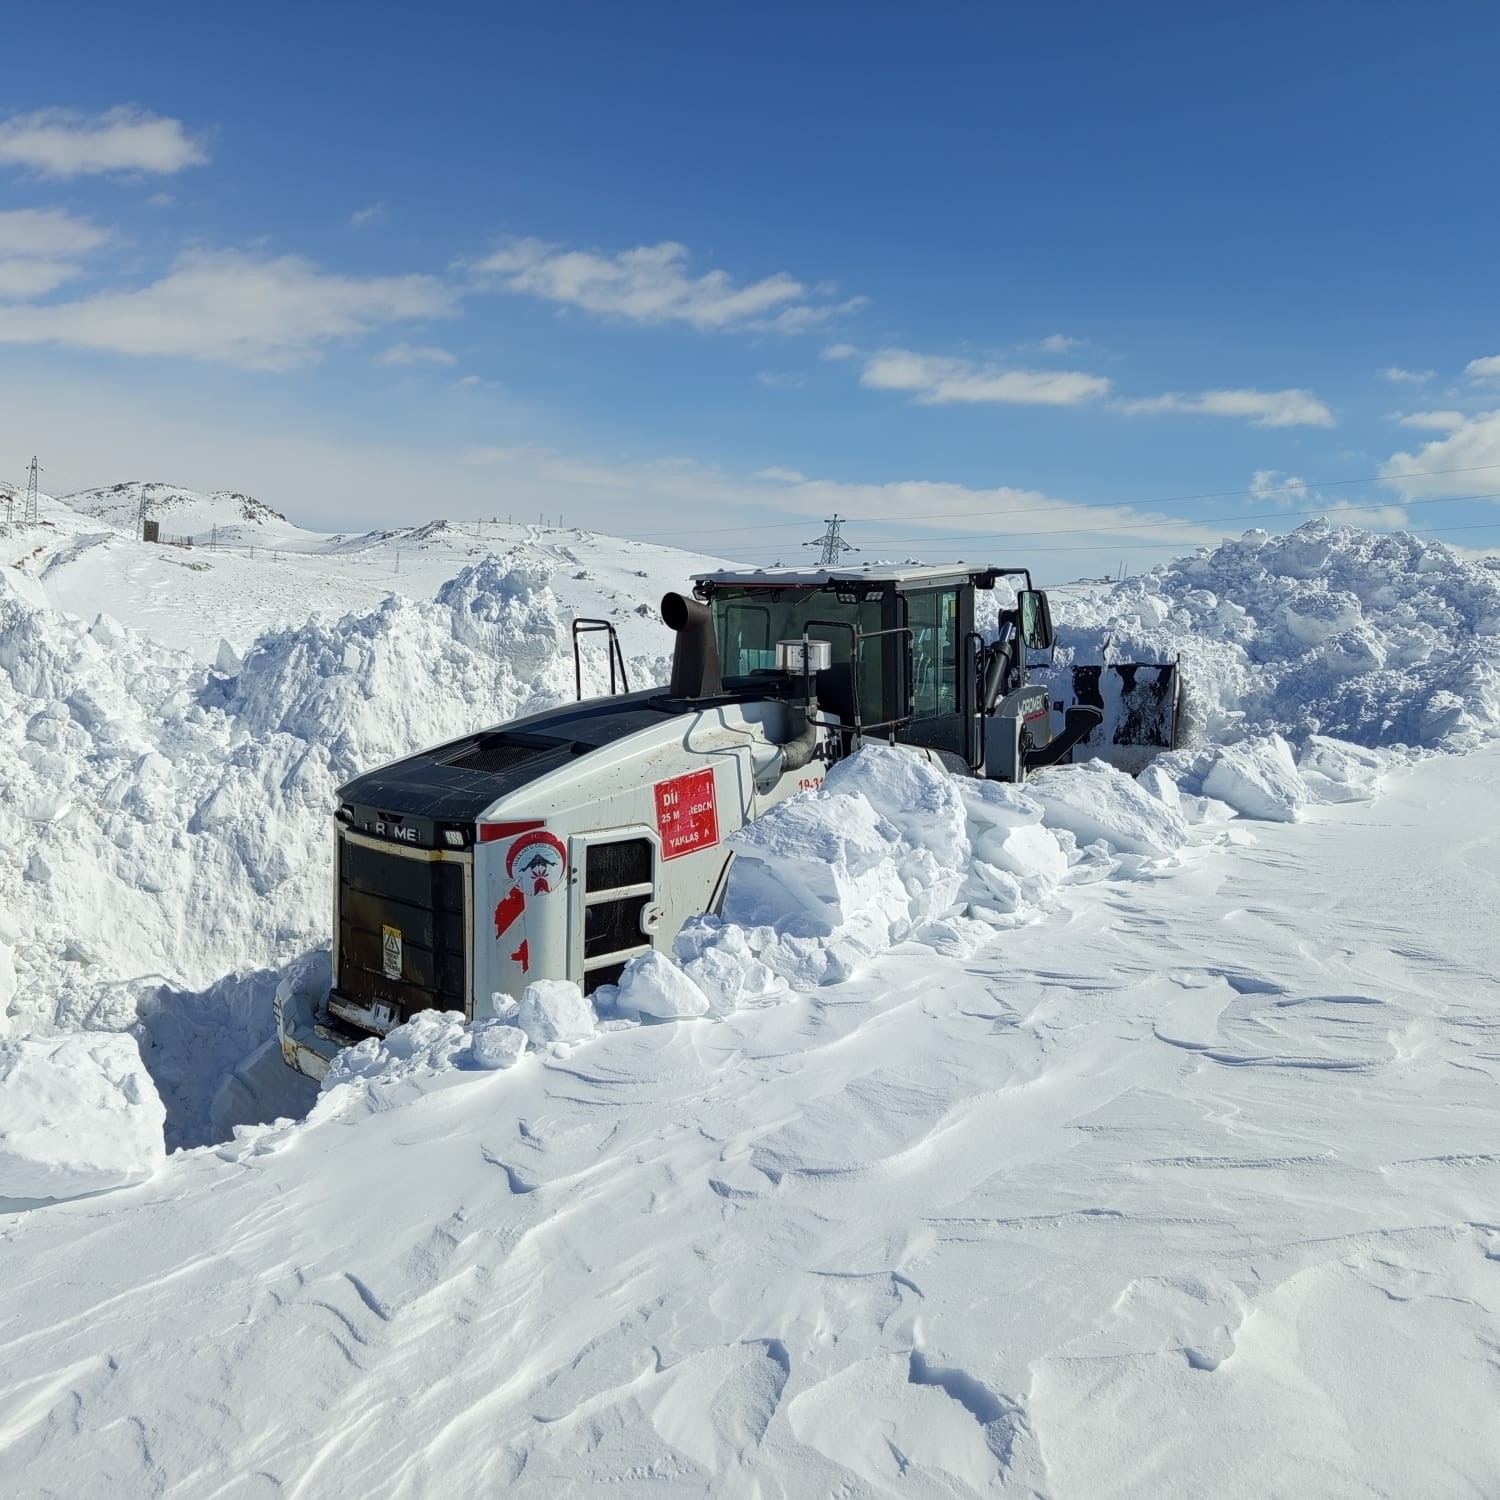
x=697, y=671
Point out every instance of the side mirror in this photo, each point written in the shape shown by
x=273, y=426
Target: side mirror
x=1036, y=620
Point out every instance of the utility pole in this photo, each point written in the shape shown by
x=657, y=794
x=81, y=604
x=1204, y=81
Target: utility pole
x=831, y=544
x=30, y=515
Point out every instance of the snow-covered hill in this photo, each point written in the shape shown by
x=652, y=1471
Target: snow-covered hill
x=1101, y=1137
x=270, y=573
x=184, y=513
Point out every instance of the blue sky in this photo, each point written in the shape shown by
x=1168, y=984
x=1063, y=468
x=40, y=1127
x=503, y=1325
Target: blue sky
x=1017, y=281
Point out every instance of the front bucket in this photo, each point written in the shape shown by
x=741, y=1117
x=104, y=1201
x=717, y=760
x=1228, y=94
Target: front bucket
x=1142, y=707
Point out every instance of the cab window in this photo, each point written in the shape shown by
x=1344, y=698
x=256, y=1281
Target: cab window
x=933, y=619
x=749, y=622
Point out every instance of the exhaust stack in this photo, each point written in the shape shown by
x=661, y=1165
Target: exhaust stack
x=696, y=669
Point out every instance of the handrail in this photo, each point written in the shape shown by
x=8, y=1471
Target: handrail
x=616, y=656
x=975, y=747
x=857, y=638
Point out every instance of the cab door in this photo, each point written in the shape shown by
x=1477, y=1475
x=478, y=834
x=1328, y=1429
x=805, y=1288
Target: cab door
x=935, y=618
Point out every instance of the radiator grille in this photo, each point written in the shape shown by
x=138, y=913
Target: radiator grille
x=425, y=900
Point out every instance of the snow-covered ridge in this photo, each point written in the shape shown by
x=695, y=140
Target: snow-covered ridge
x=181, y=512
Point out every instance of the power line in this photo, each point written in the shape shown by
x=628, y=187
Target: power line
x=1082, y=505
x=1207, y=521
x=1025, y=537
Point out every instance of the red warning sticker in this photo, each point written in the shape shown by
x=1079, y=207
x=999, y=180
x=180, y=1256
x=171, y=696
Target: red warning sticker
x=687, y=813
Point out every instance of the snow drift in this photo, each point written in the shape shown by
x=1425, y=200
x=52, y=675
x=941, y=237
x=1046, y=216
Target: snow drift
x=1375, y=639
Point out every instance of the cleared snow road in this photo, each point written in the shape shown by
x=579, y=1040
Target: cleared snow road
x=1190, y=1189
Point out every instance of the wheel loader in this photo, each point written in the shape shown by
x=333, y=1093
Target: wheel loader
x=563, y=844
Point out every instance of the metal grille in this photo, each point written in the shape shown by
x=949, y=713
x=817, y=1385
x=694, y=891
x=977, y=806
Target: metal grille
x=612, y=926
x=497, y=755
x=618, y=886
x=425, y=901
x=624, y=862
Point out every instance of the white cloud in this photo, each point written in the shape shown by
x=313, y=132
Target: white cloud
x=808, y=315
x=1408, y=377
x=1283, y=489
x=1060, y=343
x=1289, y=408
x=924, y=504
x=65, y=143
x=1472, y=449
x=415, y=354
x=937, y=380
x=362, y=218
x=32, y=244
x=840, y=351
x=1435, y=421
x=1483, y=369
x=232, y=308
x=47, y=231
x=652, y=284
x=21, y=279
x=183, y=431
x=781, y=379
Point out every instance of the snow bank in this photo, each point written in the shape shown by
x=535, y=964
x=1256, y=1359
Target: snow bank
x=172, y=821
x=893, y=848
x=168, y=822
x=1374, y=639
x=846, y=871
x=78, y=1114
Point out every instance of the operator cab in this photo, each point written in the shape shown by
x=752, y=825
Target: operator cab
x=907, y=664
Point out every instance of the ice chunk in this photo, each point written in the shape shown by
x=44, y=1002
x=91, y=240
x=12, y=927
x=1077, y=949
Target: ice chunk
x=1259, y=779
x=78, y=1114
x=652, y=985
x=1336, y=771
x=497, y=1044
x=554, y=1010
x=1097, y=803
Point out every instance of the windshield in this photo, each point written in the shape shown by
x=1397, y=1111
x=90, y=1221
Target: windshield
x=749, y=622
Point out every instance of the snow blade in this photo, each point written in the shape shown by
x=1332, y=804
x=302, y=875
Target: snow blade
x=1141, y=704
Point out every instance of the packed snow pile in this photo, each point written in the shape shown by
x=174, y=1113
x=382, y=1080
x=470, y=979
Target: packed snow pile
x=1370, y=638
x=78, y=1114
x=893, y=848
x=370, y=687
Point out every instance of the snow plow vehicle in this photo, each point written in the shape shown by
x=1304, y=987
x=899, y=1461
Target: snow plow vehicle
x=563, y=844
